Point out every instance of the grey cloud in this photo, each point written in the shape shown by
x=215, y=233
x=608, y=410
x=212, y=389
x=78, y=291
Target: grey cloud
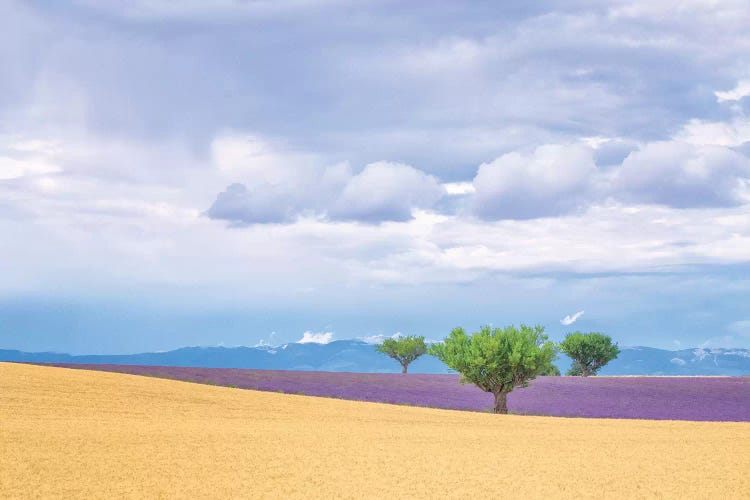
x=613, y=152
x=381, y=192
x=744, y=149
x=473, y=82
x=555, y=180
x=551, y=180
x=683, y=175
x=386, y=192
x=238, y=206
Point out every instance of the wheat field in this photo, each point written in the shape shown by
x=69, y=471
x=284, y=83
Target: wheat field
x=83, y=434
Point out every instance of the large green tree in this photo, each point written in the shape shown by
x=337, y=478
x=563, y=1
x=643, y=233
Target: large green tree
x=403, y=349
x=589, y=352
x=497, y=360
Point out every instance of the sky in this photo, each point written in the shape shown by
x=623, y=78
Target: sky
x=243, y=172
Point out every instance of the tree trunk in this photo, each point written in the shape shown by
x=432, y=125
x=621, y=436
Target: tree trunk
x=403, y=367
x=501, y=402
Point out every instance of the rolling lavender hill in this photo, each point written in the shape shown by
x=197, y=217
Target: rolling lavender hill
x=659, y=398
x=358, y=356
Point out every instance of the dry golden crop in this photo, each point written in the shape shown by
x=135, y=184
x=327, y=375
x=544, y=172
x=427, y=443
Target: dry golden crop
x=74, y=433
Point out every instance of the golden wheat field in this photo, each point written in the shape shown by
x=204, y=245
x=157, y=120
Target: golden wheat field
x=83, y=434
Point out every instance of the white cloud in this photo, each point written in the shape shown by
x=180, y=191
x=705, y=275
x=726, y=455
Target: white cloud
x=255, y=160
x=377, y=339
x=698, y=167
x=458, y=188
x=554, y=179
x=266, y=342
x=386, y=191
x=239, y=205
x=316, y=338
x=595, y=141
x=641, y=237
x=13, y=168
x=569, y=320
x=683, y=175
x=269, y=182
x=383, y=191
x=105, y=248
x=113, y=177
x=741, y=90
x=730, y=133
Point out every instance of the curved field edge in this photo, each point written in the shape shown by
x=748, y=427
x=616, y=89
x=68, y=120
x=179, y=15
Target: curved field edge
x=81, y=434
x=658, y=398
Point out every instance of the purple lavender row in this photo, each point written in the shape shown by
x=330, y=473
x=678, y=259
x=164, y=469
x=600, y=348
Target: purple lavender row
x=660, y=398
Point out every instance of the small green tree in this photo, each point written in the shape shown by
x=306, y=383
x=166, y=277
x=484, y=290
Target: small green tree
x=497, y=360
x=589, y=352
x=551, y=371
x=403, y=349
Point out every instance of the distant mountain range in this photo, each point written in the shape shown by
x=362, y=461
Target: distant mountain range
x=359, y=356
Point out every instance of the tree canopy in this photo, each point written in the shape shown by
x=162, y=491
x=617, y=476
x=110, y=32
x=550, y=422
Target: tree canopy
x=497, y=360
x=589, y=352
x=551, y=371
x=403, y=349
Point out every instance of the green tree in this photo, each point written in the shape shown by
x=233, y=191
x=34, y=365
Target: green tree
x=497, y=360
x=403, y=349
x=551, y=371
x=589, y=352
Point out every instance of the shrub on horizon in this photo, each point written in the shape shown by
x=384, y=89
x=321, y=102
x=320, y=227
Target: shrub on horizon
x=589, y=352
x=403, y=349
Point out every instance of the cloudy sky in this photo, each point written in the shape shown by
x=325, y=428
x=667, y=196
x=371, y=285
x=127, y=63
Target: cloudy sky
x=232, y=172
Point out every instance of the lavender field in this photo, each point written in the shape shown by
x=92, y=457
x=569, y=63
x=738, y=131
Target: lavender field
x=660, y=398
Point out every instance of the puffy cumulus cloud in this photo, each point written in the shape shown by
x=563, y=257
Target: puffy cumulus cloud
x=683, y=175
x=316, y=338
x=239, y=206
x=386, y=191
x=552, y=180
x=381, y=192
x=270, y=182
x=698, y=167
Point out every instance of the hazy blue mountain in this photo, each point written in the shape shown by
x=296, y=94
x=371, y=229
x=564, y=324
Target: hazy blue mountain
x=358, y=356
x=699, y=361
